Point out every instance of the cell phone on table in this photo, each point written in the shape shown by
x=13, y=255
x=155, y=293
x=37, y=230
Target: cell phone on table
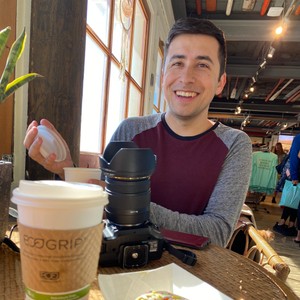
x=185, y=239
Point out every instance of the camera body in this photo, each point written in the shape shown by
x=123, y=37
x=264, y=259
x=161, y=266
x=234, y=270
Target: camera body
x=129, y=238
x=130, y=247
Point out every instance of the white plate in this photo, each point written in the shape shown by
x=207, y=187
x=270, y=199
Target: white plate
x=52, y=143
x=170, y=278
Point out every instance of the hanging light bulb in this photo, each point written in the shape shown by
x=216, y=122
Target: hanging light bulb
x=271, y=52
x=279, y=30
x=251, y=89
x=262, y=65
x=238, y=110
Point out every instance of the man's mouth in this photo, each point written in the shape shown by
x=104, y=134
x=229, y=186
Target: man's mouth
x=185, y=94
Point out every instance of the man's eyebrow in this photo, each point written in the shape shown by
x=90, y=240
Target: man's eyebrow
x=199, y=57
x=177, y=56
x=205, y=57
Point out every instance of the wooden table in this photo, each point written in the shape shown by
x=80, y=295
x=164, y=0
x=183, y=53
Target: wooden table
x=231, y=273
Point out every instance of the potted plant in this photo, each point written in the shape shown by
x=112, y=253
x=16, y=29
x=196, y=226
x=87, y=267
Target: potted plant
x=6, y=89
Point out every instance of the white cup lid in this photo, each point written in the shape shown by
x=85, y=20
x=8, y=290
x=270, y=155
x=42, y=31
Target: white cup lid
x=52, y=143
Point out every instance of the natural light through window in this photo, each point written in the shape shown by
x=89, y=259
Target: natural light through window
x=93, y=90
x=115, y=66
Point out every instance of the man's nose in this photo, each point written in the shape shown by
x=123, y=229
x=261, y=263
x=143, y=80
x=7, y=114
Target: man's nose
x=188, y=75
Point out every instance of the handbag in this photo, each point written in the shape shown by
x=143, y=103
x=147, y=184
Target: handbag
x=290, y=196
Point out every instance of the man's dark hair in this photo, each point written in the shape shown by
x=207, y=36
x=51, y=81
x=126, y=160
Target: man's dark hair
x=199, y=26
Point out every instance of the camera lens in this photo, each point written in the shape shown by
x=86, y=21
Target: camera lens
x=127, y=170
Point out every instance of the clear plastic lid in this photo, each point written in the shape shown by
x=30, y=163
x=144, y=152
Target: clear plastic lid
x=52, y=143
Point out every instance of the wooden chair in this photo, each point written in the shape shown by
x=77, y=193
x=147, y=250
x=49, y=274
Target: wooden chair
x=248, y=241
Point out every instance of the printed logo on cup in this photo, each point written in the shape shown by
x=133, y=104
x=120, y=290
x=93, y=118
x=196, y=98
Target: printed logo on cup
x=52, y=244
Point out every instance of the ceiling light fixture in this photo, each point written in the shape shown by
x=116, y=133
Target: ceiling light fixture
x=238, y=110
x=246, y=121
x=271, y=52
x=263, y=64
x=251, y=89
x=279, y=30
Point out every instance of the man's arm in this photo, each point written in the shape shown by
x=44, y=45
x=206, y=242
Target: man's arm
x=222, y=212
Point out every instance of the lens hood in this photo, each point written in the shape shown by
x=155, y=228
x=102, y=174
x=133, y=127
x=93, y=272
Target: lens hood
x=126, y=160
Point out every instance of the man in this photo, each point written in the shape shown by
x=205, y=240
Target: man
x=203, y=168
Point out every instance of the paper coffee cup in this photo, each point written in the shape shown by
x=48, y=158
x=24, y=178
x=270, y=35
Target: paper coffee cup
x=60, y=226
x=81, y=174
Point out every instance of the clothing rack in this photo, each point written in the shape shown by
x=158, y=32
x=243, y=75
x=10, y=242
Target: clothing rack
x=263, y=177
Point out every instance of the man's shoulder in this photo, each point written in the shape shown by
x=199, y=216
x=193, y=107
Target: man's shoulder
x=154, y=118
x=224, y=131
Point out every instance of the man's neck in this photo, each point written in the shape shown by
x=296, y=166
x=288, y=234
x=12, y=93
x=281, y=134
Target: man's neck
x=188, y=126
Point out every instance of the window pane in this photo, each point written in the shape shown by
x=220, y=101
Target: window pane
x=134, y=102
x=93, y=90
x=116, y=106
x=98, y=18
x=138, y=44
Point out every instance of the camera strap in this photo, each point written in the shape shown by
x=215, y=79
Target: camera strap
x=186, y=256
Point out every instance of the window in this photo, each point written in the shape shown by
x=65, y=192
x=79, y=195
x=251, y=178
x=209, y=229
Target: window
x=115, y=64
x=159, y=104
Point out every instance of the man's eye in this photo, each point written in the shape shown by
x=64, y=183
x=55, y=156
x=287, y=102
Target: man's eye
x=203, y=66
x=177, y=63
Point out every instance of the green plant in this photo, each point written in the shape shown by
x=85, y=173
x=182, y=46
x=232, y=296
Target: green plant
x=15, y=53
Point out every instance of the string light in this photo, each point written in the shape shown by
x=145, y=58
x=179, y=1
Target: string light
x=279, y=30
x=238, y=110
x=271, y=52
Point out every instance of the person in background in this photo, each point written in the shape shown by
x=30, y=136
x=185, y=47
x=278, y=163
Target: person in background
x=295, y=174
x=287, y=212
x=291, y=171
x=203, y=167
x=278, y=150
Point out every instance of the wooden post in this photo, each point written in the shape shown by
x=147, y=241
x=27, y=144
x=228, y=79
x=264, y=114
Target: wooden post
x=57, y=47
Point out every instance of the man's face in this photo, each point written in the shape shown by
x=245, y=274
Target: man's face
x=191, y=75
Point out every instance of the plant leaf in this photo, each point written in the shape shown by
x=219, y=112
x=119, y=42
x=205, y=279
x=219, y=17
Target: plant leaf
x=4, y=34
x=14, y=54
x=18, y=82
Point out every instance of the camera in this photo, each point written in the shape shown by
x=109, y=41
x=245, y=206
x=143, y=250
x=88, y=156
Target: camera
x=129, y=238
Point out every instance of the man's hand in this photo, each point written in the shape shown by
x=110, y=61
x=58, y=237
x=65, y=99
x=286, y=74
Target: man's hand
x=33, y=145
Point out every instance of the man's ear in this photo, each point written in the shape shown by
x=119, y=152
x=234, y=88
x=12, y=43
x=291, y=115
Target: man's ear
x=221, y=84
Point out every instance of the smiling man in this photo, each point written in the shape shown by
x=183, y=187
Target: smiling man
x=203, y=167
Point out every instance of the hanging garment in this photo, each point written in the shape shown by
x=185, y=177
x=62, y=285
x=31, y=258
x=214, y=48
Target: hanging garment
x=264, y=175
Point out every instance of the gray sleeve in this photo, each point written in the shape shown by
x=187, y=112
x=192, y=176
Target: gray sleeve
x=222, y=212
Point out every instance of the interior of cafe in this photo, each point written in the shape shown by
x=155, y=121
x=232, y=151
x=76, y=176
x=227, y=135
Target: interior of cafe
x=99, y=62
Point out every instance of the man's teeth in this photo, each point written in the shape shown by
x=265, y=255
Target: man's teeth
x=185, y=94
